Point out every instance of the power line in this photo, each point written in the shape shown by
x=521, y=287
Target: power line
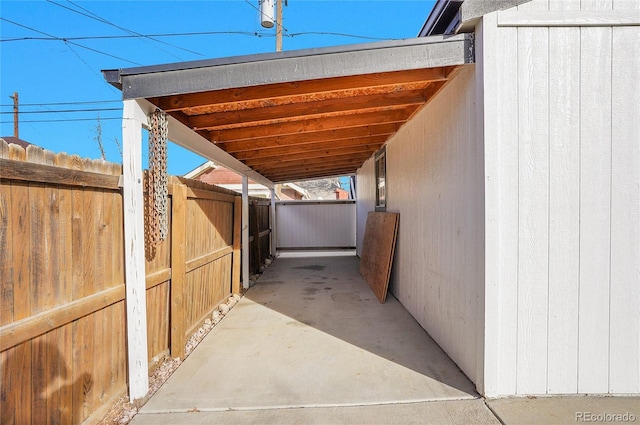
x=113, y=37
x=65, y=111
x=63, y=120
x=192, y=34
x=69, y=42
x=92, y=15
x=88, y=102
x=338, y=34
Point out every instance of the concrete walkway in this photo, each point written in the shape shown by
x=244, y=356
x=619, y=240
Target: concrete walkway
x=310, y=344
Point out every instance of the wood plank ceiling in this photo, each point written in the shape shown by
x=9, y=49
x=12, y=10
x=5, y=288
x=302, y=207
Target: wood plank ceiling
x=308, y=129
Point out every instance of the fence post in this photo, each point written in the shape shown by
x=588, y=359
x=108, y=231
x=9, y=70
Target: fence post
x=254, y=228
x=237, y=243
x=178, y=268
x=272, y=222
x=245, y=232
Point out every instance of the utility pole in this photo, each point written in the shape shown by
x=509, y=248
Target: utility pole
x=267, y=21
x=279, y=27
x=15, y=115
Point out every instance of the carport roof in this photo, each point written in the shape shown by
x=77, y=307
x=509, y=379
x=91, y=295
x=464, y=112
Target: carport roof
x=302, y=114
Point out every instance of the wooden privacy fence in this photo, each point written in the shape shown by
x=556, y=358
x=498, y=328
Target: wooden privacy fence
x=259, y=233
x=62, y=296
x=62, y=312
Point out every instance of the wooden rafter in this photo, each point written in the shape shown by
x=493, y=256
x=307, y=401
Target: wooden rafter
x=307, y=129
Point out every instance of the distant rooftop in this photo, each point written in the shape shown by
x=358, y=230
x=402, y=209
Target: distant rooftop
x=15, y=141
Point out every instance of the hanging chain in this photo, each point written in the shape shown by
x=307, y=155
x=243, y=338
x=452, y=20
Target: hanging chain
x=157, y=183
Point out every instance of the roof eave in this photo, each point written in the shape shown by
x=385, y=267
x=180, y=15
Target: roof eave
x=255, y=70
x=461, y=16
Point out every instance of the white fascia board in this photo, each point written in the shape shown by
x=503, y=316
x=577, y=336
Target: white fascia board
x=189, y=139
x=199, y=170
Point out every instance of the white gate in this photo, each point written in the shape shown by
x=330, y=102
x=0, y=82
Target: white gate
x=316, y=224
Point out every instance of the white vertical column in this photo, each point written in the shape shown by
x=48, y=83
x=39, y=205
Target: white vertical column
x=273, y=221
x=133, y=206
x=245, y=232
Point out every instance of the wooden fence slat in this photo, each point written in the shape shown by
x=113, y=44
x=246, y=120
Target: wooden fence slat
x=4, y=149
x=26, y=171
x=178, y=269
x=37, y=245
x=78, y=230
x=33, y=326
x=208, y=258
x=211, y=196
x=51, y=252
x=21, y=228
x=39, y=382
x=6, y=245
x=16, y=153
x=158, y=277
x=9, y=384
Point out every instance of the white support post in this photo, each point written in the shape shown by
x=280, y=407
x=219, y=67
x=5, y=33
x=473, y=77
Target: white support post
x=133, y=206
x=273, y=221
x=245, y=232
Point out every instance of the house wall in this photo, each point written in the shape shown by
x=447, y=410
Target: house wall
x=434, y=180
x=220, y=175
x=562, y=181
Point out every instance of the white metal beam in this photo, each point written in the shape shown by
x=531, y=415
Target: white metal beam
x=189, y=139
x=133, y=119
x=245, y=232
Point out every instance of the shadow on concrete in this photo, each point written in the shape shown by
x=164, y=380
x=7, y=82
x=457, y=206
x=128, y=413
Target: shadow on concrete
x=329, y=294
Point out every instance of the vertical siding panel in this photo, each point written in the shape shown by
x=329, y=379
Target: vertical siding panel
x=500, y=108
x=533, y=217
x=508, y=123
x=434, y=182
x=564, y=202
x=624, y=348
x=595, y=204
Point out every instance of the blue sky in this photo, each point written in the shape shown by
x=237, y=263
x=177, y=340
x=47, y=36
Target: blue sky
x=52, y=52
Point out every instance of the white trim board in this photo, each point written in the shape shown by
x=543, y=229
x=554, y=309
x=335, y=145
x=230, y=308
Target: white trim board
x=574, y=18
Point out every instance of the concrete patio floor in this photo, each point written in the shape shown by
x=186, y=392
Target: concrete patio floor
x=310, y=344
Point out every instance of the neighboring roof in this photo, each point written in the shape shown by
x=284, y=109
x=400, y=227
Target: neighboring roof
x=442, y=19
x=458, y=16
x=301, y=114
x=295, y=187
x=200, y=169
x=15, y=141
x=210, y=165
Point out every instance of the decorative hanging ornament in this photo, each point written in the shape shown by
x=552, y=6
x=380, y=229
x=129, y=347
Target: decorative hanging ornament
x=157, y=182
